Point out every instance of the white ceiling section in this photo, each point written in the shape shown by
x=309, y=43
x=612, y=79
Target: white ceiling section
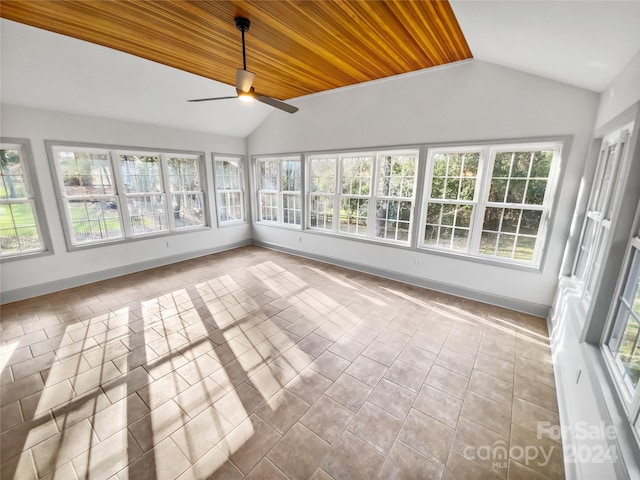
x=582, y=43
x=51, y=71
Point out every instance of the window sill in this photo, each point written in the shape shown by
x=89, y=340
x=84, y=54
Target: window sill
x=25, y=256
x=149, y=236
x=485, y=260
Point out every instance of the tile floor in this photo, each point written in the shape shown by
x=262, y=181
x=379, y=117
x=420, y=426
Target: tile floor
x=261, y=365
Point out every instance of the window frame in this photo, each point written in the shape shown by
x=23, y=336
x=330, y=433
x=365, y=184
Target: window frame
x=240, y=190
x=279, y=192
x=372, y=198
x=599, y=216
x=481, y=201
x=630, y=399
x=113, y=155
x=34, y=198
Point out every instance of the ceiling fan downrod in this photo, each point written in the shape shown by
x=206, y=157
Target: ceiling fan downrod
x=243, y=25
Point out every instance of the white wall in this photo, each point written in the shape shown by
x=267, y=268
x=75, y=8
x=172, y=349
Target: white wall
x=63, y=266
x=623, y=92
x=468, y=101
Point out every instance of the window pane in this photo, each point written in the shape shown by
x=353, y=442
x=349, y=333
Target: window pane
x=147, y=214
x=541, y=165
x=624, y=342
x=228, y=180
x=188, y=210
x=85, y=173
x=525, y=247
x=463, y=215
x=629, y=351
x=321, y=212
x=460, y=238
x=392, y=220
x=456, y=176
x=230, y=206
x=488, y=243
x=521, y=162
x=452, y=188
x=448, y=214
x=291, y=175
x=605, y=179
x=291, y=209
x=530, y=222
x=535, y=192
x=19, y=232
x=505, y=245
x=140, y=173
x=434, y=211
x=498, y=191
x=93, y=220
x=13, y=182
x=356, y=175
x=269, y=206
x=431, y=235
x=268, y=175
x=510, y=220
x=396, y=175
x=353, y=215
x=228, y=173
x=515, y=193
x=184, y=174
x=323, y=175
x=18, y=229
x=444, y=240
x=502, y=164
x=492, y=219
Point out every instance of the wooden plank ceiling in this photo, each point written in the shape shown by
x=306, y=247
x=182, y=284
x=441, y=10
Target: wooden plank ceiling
x=294, y=47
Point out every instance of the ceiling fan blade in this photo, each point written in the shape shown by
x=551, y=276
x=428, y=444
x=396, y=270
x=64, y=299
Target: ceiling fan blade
x=244, y=80
x=209, y=99
x=276, y=103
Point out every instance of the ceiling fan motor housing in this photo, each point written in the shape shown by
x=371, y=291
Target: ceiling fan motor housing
x=242, y=24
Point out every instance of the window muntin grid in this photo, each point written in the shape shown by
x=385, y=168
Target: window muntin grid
x=19, y=228
x=365, y=194
x=111, y=195
x=229, y=188
x=279, y=181
x=490, y=201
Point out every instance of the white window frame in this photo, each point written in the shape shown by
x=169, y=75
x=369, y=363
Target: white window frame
x=278, y=192
x=481, y=199
x=617, y=320
x=221, y=189
x=596, y=228
x=371, y=198
x=32, y=198
x=120, y=194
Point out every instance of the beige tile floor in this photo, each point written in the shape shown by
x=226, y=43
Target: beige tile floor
x=257, y=364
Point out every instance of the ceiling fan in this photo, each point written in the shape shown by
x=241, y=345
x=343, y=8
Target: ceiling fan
x=245, y=78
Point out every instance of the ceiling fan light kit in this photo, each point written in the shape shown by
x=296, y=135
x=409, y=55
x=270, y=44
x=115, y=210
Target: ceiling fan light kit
x=244, y=79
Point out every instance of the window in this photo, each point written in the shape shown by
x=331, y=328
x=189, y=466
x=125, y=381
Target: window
x=624, y=342
x=597, y=223
x=229, y=188
x=110, y=195
x=20, y=232
x=368, y=194
x=490, y=201
x=279, y=190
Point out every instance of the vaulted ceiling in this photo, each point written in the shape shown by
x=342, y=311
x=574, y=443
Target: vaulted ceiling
x=294, y=47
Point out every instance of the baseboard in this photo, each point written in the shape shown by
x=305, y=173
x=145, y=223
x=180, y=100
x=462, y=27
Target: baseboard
x=470, y=294
x=71, y=282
